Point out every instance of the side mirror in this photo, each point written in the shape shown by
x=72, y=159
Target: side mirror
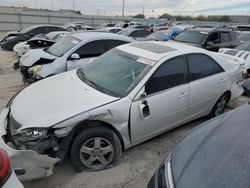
x=143, y=95
x=210, y=44
x=74, y=56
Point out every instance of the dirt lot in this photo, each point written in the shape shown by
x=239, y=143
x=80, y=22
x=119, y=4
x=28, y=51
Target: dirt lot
x=135, y=167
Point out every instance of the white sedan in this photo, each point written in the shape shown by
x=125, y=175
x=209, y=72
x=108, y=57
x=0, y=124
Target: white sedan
x=71, y=52
x=126, y=96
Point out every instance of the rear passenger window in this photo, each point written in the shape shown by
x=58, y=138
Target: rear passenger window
x=201, y=66
x=215, y=38
x=225, y=37
x=168, y=75
x=113, y=43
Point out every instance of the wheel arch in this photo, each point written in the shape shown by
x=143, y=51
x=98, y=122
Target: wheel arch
x=95, y=123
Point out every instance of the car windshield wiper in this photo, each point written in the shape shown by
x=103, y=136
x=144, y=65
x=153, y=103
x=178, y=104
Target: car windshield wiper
x=94, y=84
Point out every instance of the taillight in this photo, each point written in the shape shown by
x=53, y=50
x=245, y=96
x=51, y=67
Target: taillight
x=5, y=169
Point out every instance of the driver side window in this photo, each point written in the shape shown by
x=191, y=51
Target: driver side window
x=215, y=38
x=170, y=74
x=91, y=49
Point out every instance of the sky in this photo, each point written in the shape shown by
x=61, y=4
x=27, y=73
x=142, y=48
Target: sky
x=152, y=8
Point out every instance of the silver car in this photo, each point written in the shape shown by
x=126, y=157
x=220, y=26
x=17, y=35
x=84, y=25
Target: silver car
x=126, y=96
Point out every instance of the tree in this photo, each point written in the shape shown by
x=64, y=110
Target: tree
x=139, y=16
x=166, y=16
x=224, y=19
x=200, y=18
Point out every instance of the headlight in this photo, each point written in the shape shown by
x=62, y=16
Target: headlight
x=169, y=173
x=33, y=71
x=31, y=134
x=165, y=174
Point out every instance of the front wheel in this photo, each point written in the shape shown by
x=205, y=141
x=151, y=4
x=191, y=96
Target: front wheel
x=95, y=148
x=220, y=105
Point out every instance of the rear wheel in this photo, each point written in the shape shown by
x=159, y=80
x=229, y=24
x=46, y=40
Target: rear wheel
x=220, y=105
x=95, y=148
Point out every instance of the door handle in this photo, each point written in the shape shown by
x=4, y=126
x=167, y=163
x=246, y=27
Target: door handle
x=182, y=95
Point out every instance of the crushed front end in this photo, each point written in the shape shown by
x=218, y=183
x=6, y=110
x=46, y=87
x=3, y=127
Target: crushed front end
x=31, y=157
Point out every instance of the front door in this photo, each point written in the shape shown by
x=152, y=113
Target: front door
x=164, y=103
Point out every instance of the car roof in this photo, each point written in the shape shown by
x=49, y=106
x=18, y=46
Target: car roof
x=86, y=36
x=155, y=50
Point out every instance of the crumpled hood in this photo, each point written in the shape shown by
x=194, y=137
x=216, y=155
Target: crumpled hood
x=216, y=154
x=32, y=56
x=52, y=100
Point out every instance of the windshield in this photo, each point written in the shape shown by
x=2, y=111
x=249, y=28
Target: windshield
x=115, y=72
x=62, y=46
x=245, y=46
x=27, y=29
x=244, y=36
x=191, y=36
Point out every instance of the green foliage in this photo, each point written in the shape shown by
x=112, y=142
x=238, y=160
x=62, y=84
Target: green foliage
x=139, y=16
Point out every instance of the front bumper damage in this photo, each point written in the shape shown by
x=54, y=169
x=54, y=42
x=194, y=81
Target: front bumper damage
x=30, y=163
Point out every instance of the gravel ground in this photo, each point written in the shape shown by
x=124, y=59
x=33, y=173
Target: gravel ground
x=134, y=169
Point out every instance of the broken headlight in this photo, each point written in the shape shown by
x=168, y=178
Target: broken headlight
x=31, y=134
x=33, y=71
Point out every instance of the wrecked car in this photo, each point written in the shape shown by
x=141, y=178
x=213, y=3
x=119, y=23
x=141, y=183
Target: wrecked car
x=71, y=52
x=243, y=52
x=76, y=26
x=39, y=41
x=128, y=95
x=13, y=38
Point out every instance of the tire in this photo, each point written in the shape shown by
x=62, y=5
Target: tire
x=220, y=105
x=95, y=148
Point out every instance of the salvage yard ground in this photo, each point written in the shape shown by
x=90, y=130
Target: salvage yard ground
x=134, y=169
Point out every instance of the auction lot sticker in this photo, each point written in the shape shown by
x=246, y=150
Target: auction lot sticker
x=146, y=61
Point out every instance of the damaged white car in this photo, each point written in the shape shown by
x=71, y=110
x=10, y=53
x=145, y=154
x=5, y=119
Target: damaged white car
x=39, y=41
x=126, y=96
x=71, y=52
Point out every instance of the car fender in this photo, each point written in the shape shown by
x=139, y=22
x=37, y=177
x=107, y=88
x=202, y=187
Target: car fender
x=115, y=114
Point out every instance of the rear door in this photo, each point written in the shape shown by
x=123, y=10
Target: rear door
x=164, y=103
x=207, y=81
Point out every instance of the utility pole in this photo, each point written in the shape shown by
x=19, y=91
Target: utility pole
x=123, y=7
x=143, y=10
x=52, y=4
x=74, y=5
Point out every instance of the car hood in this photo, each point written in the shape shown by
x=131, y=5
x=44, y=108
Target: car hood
x=55, y=99
x=32, y=56
x=215, y=154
